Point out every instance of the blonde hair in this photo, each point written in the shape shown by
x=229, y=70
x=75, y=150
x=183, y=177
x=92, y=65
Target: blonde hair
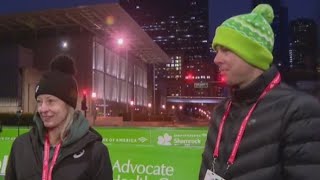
x=68, y=122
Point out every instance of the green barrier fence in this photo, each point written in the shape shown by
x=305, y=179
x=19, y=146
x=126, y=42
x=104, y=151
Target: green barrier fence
x=140, y=153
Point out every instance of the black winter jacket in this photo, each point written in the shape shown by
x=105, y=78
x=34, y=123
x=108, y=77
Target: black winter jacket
x=281, y=140
x=85, y=159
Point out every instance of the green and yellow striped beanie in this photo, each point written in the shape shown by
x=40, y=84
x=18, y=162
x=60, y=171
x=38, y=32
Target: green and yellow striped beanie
x=250, y=36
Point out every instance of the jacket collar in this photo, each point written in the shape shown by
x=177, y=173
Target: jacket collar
x=78, y=129
x=251, y=93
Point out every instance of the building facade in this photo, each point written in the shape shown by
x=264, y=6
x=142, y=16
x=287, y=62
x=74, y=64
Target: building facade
x=303, y=44
x=183, y=35
x=112, y=66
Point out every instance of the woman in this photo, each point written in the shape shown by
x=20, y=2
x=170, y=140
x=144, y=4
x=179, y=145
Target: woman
x=61, y=145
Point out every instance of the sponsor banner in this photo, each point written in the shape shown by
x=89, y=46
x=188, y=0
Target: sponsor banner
x=141, y=153
x=155, y=136
x=179, y=137
x=7, y=136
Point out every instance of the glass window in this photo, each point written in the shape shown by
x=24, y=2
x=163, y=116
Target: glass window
x=99, y=57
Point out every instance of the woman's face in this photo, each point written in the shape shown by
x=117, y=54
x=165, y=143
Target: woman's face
x=53, y=111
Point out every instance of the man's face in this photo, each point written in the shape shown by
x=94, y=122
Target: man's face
x=233, y=69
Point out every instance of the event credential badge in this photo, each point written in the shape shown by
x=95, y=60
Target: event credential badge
x=212, y=176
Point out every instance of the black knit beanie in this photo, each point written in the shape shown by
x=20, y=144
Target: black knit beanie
x=60, y=81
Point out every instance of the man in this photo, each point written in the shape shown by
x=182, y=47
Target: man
x=266, y=130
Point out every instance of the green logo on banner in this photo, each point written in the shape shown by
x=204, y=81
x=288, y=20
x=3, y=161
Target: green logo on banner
x=165, y=140
x=192, y=138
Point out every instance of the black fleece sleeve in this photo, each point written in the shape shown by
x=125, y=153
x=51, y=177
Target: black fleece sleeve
x=101, y=165
x=10, y=170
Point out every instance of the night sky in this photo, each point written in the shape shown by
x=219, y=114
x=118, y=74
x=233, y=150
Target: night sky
x=221, y=9
x=20, y=6
x=170, y=7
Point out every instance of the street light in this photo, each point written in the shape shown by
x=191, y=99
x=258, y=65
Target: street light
x=163, y=110
x=173, y=113
x=149, y=111
x=131, y=104
x=19, y=114
x=64, y=45
x=94, y=108
x=122, y=43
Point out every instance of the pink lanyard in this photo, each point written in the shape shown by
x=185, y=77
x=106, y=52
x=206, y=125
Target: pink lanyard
x=232, y=157
x=45, y=174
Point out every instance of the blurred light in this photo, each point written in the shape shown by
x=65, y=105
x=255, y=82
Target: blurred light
x=109, y=20
x=223, y=79
x=173, y=107
x=120, y=41
x=180, y=107
x=64, y=44
x=163, y=106
x=84, y=92
x=94, y=95
x=131, y=103
x=190, y=76
x=149, y=105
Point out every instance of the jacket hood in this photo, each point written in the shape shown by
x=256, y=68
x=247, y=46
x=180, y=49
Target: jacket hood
x=78, y=129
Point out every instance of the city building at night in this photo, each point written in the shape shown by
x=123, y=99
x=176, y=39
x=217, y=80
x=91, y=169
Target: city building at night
x=184, y=37
x=303, y=44
x=295, y=47
x=303, y=72
x=111, y=51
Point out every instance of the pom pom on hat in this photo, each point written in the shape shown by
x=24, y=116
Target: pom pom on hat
x=250, y=36
x=64, y=64
x=60, y=81
x=266, y=11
